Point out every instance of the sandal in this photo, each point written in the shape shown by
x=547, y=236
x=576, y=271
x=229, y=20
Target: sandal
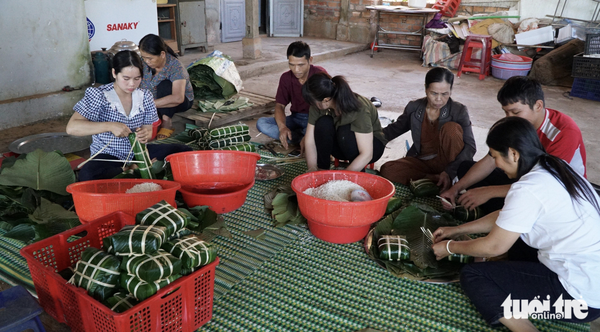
x=164, y=133
x=376, y=102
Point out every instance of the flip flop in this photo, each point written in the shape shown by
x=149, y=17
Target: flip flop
x=376, y=101
x=164, y=133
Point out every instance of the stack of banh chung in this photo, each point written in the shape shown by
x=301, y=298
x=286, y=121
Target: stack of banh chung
x=141, y=259
x=234, y=137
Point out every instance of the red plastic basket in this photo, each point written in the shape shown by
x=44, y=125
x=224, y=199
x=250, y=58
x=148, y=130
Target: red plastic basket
x=184, y=305
x=97, y=198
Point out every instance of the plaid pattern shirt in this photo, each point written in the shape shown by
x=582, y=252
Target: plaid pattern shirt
x=103, y=105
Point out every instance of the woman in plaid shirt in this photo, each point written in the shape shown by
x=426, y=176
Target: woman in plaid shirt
x=110, y=113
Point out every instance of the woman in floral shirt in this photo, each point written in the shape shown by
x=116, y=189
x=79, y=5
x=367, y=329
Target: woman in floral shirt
x=167, y=79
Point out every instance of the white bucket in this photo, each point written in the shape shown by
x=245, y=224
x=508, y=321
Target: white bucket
x=417, y=3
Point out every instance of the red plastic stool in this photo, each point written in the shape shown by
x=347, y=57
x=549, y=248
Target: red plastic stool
x=481, y=66
x=336, y=163
x=448, y=8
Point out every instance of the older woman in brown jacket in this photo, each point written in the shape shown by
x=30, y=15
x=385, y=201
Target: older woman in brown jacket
x=441, y=132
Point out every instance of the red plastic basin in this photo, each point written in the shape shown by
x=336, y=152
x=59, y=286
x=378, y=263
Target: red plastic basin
x=221, y=198
x=342, y=222
x=219, y=179
x=197, y=167
x=98, y=198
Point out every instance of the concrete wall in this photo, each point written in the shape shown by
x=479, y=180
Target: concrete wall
x=322, y=20
x=43, y=47
x=580, y=9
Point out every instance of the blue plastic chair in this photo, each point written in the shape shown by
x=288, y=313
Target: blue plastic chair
x=19, y=311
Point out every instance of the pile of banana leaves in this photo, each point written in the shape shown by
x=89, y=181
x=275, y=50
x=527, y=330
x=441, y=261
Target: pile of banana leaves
x=282, y=205
x=214, y=77
x=231, y=104
x=419, y=262
x=34, y=203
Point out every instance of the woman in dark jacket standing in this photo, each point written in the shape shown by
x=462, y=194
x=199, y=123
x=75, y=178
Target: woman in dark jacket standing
x=441, y=132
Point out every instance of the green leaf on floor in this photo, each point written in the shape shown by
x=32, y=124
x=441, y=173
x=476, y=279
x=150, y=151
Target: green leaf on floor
x=258, y=234
x=206, y=222
x=282, y=205
x=41, y=171
x=48, y=211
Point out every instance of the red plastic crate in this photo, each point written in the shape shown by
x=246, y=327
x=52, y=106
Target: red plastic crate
x=184, y=305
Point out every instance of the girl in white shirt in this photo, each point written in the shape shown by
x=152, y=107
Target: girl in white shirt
x=551, y=208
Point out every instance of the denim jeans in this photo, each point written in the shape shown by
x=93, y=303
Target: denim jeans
x=489, y=284
x=296, y=122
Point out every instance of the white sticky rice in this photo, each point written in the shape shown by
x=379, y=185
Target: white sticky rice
x=144, y=187
x=336, y=190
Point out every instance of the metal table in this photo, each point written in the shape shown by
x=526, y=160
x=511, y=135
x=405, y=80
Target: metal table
x=404, y=11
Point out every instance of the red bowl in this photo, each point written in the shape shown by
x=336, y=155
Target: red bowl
x=220, y=197
x=336, y=234
x=98, y=198
x=197, y=167
x=342, y=222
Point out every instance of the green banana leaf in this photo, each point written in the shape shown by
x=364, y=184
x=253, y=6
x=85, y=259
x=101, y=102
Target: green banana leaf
x=121, y=301
x=407, y=222
x=101, y=282
x=205, y=223
x=152, y=267
x=258, y=234
x=5, y=226
x=424, y=188
x=135, y=240
x=47, y=211
x=217, y=229
x=163, y=214
x=13, y=207
x=231, y=104
x=142, y=290
x=282, y=204
x=40, y=170
x=29, y=232
x=207, y=83
x=192, y=251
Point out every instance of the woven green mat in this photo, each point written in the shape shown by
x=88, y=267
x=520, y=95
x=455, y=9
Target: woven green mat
x=313, y=285
x=13, y=267
x=291, y=281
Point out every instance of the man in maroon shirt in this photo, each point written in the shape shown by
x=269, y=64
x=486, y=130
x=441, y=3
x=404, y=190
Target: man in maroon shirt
x=291, y=129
